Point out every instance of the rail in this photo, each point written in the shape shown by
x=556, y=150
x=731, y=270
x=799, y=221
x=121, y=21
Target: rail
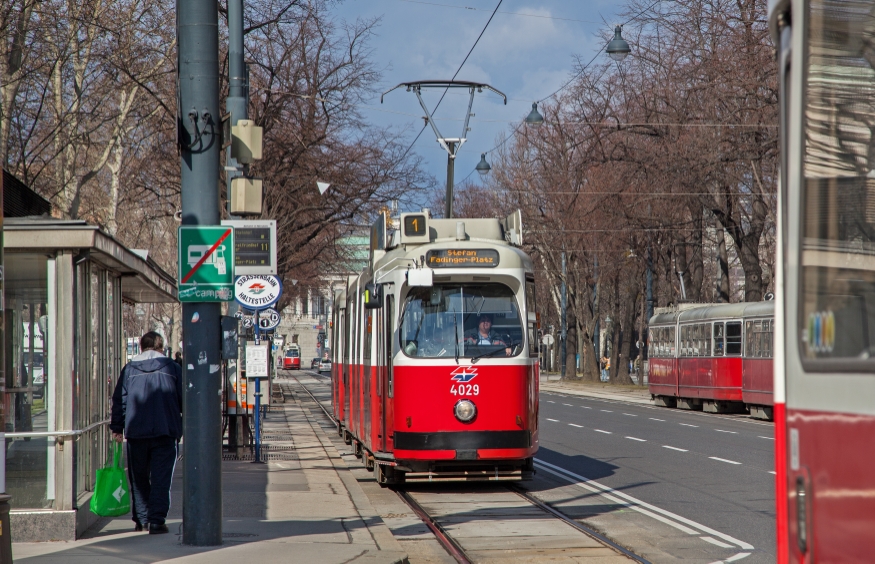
x=576, y=524
x=70, y=433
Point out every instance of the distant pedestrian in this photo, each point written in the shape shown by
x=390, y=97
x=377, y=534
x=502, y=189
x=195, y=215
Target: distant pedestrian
x=178, y=358
x=147, y=410
x=606, y=367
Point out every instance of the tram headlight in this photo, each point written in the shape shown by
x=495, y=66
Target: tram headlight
x=465, y=410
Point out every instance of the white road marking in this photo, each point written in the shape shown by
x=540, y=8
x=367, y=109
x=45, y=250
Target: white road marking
x=568, y=404
x=724, y=460
x=712, y=540
x=639, y=440
x=687, y=425
x=768, y=438
x=722, y=431
x=655, y=419
x=630, y=414
x=738, y=557
x=584, y=407
x=625, y=499
x=573, y=425
x=600, y=431
x=550, y=401
x=772, y=472
x=553, y=420
x=607, y=411
x=675, y=448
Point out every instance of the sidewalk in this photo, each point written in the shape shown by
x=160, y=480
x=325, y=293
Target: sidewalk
x=633, y=394
x=303, y=505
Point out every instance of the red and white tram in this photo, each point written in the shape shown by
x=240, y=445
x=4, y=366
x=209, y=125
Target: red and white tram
x=435, y=372
x=825, y=311
x=715, y=357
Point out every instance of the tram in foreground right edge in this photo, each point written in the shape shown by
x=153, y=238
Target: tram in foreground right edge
x=825, y=310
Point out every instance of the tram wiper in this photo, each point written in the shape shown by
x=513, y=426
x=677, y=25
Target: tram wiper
x=490, y=353
x=456, y=334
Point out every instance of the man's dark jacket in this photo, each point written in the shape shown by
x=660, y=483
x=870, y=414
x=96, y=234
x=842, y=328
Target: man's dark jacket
x=147, y=401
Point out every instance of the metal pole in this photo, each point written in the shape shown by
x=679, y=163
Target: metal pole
x=564, y=335
x=5, y=540
x=451, y=165
x=237, y=104
x=257, y=398
x=198, y=64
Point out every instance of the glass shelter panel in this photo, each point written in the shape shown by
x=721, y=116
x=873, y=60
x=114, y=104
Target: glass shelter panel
x=29, y=460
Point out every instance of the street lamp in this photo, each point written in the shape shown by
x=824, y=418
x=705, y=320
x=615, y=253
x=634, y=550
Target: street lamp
x=483, y=167
x=618, y=49
x=535, y=118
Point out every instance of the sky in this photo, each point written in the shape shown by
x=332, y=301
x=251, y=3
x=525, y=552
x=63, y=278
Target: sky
x=528, y=51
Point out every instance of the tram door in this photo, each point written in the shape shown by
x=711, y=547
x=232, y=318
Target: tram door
x=384, y=354
x=367, y=374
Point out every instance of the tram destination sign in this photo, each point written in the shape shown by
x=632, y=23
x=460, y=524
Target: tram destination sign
x=464, y=258
x=254, y=246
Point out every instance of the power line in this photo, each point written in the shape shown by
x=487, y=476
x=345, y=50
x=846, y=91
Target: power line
x=465, y=60
x=501, y=12
x=575, y=77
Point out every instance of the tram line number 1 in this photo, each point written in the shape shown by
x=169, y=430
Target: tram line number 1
x=465, y=390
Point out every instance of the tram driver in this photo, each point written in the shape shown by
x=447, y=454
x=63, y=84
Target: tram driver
x=484, y=335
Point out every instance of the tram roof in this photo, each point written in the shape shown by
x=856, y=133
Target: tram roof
x=685, y=313
x=480, y=233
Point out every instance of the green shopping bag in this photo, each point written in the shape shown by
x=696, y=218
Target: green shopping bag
x=112, y=496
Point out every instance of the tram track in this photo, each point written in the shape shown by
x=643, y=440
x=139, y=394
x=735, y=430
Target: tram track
x=442, y=521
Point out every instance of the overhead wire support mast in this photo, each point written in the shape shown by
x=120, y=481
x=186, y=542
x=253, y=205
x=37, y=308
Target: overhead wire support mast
x=450, y=144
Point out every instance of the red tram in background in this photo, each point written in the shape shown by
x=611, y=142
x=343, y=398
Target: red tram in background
x=420, y=389
x=825, y=311
x=714, y=357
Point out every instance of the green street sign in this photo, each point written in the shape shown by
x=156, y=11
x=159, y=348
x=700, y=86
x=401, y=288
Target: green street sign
x=206, y=263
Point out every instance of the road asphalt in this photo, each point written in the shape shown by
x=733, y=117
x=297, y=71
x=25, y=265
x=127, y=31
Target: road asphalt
x=710, y=469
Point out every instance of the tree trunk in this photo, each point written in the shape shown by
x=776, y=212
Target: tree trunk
x=571, y=345
x=624, y=335
x=722, y=266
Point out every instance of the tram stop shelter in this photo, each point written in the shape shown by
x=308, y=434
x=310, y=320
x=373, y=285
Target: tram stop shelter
x=66, y=282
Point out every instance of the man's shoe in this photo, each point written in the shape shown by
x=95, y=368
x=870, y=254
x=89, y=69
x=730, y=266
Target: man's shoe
x=156, y=529
x=138, y=527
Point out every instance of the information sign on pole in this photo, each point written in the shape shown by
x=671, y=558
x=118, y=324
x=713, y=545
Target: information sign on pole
x=256, y=360
x=254, y=246
x=206, y=263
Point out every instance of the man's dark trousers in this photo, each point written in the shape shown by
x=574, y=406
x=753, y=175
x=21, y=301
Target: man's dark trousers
x=150, y=471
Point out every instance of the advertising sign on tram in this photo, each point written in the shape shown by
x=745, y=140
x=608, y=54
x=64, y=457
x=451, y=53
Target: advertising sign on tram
x=257, y=292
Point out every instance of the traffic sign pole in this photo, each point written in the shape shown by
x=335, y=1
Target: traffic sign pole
x=199, y=135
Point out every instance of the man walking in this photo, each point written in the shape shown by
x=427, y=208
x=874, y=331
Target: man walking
x=147, y=410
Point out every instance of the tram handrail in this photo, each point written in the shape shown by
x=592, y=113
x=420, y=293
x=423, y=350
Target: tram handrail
x=69, y=433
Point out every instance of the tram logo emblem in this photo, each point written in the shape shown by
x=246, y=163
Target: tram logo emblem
x=463, y=374
x=257, y=288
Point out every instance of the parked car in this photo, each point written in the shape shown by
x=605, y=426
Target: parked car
x=325, y=365
x=314, y=364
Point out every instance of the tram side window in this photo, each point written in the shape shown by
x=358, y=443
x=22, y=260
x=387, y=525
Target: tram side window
x=733, y=338
x=758, y=338
x=836, y=310
x=718, y=340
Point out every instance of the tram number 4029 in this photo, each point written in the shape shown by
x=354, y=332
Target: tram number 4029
x=465, y=390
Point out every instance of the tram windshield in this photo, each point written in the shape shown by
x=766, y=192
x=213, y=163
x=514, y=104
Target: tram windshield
x=837, y=297
x=461, y=320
